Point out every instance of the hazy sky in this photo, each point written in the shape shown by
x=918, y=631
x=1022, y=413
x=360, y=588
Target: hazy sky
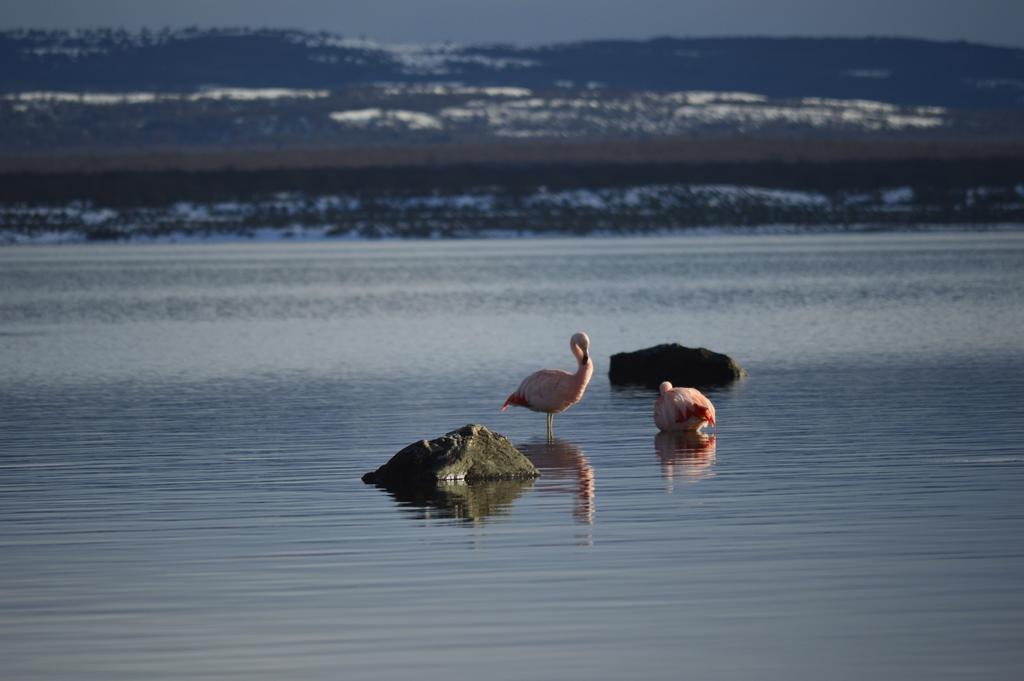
x=539, y=21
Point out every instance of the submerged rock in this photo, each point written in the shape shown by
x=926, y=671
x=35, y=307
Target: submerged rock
x=675, y=363
x=470, y=453
x=460, y=500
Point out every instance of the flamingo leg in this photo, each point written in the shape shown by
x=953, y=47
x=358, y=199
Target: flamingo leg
x=551, y=427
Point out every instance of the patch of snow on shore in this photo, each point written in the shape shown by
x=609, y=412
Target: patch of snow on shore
x=435, y=59
x=242, y=94
x=361, y=117
x=449, y=89
x=87, y=98
x=237, y=94
x=575, y=198
x=898, y=195
x=701, y=98
x=412, y=120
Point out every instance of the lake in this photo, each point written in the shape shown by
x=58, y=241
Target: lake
x=183, y=429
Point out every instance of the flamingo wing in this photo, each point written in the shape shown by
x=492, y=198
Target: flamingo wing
x=547, y=390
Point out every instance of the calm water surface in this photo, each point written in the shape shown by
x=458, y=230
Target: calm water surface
x=182, y=431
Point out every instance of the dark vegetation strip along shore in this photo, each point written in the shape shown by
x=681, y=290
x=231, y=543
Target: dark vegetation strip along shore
x=659, y=150
x=415, y=195
x=117, y=188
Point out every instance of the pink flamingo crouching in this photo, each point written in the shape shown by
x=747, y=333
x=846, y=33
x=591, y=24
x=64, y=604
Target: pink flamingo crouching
x=679, y=409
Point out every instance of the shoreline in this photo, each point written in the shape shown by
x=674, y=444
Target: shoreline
x=286, y=236
x=526, y=208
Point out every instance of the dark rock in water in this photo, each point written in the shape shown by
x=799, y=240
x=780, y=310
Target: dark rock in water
x=470, y=453
x=680, y=365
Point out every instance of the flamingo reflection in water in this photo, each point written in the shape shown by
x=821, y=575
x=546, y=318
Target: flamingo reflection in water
x=688, y=455
x=564, y=464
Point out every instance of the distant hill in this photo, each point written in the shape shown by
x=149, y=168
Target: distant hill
x=233, y=133
x=894, y=70
x=233, y=89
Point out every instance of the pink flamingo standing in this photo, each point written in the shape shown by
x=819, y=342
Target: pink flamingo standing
x=552, y=391
x=678, y=409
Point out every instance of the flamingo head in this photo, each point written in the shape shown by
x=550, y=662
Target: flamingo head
x=664, y=387
x=580, y=344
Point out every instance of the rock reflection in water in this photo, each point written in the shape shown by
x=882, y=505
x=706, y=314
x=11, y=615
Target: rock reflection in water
x=686, y=455
x=471, y=501
x=565, y=469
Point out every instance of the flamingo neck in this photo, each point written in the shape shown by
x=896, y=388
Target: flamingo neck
x=584, y=368
x=585, y=371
